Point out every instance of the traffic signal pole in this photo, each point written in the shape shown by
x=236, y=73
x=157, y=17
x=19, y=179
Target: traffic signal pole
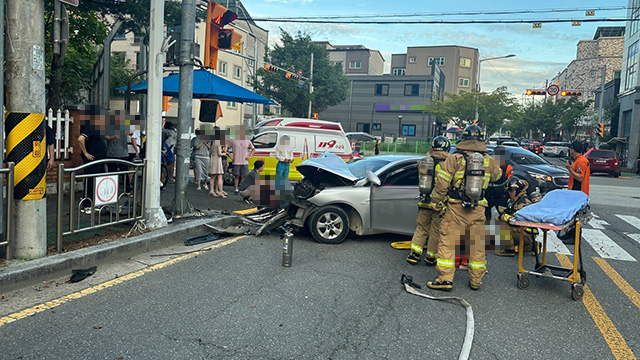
x=25, y=99
x=601, y=102
x=180, y=204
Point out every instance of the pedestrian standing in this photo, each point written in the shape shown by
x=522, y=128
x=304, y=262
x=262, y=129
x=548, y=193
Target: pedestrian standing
x=116, y=137
x=376, y=147
x=284, y=154
x=201, y=149
x=216, y=169
x=579, y=171
x=242, y=151
x=93, y=147
x=49, y=156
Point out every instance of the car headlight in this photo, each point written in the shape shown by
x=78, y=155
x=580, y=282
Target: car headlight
x=540, y=177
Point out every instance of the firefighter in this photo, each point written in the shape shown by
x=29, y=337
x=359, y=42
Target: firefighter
x=496, y=194
x=428, y=220
x=460, y=186
x=518, y=198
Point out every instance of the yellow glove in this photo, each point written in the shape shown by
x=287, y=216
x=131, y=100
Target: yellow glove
x=505, y=217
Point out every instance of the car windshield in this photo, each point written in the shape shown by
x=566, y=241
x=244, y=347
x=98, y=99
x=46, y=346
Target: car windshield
x=359, y=168
x=527, y=159
x=602, y=154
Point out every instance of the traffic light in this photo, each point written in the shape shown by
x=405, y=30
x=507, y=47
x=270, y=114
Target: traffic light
x=314, y=116
x=570, y=93
x=600, y=129
x=270, y=68
x=535, y=92
x=292, y=76
x=215, y=36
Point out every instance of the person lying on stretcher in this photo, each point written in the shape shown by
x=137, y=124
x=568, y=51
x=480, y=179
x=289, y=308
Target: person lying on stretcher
x=518, y=199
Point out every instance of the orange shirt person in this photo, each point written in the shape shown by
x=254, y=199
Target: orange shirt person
x=579, y=170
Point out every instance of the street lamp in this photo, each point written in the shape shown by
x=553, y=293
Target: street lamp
x=478, y=82
x=399, y=125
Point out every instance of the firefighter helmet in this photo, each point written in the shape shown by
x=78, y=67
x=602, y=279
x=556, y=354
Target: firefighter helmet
x=515, y=183
x=473, y=132
x=441, y=143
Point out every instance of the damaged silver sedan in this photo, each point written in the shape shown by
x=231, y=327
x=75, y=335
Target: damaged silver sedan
x=370, y=195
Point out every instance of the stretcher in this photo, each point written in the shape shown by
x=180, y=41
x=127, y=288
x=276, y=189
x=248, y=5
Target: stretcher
x=562, y=205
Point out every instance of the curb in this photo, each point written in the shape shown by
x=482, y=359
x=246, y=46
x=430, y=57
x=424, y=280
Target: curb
x=35, y=271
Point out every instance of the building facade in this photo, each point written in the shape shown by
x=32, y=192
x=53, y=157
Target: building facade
x=629, y=97
x=459, y=64
x=355, y=59
x=584, y=74
x=390, y=106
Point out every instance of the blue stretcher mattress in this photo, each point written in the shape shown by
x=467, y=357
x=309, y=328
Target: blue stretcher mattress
x=557, y=207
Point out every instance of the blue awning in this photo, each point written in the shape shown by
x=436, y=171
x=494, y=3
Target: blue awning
x=205, y=86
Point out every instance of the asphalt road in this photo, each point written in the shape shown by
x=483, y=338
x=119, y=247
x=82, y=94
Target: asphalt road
x=236, y=301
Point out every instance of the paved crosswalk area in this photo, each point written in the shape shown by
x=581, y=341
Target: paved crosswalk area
x=599, y=235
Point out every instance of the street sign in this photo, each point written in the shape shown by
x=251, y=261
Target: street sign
x=106, y=190
x=553, y=90
x=70, y=2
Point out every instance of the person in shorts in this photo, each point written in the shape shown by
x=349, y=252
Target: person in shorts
x=242, y=151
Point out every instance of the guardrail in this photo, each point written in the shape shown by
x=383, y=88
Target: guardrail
x=8, y=213
x=131, y=209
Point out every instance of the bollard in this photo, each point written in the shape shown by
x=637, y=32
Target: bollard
x=287, y=247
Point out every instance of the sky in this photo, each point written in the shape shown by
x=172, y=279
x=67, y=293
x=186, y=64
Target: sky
x=541, y=53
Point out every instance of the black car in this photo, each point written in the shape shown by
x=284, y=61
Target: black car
x=537, y=171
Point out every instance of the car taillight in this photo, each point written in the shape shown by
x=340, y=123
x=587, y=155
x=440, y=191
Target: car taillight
x=615, y=163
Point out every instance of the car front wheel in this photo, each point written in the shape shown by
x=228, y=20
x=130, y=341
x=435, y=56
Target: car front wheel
x=329, y=225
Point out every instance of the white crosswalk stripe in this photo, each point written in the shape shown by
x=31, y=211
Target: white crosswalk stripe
x=635, y=237
x=632, y=220
x=604, y=246
x=554, y=244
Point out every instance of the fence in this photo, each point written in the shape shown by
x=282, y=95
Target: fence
x=61, y=127
x=8, y=213
x=117, y=212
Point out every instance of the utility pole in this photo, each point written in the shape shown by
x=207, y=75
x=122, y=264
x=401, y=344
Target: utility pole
x=601, y=102
x=154, y=216
x=310, y=86
x=2, y=234
x=25, y=124
x=180, y=204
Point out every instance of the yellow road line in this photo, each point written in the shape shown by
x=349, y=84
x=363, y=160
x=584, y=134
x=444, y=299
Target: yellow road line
x=610, y=333
x=53, y=303
x=631, y=293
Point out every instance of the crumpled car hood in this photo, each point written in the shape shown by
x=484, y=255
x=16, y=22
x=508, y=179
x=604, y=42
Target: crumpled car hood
x=327, y=168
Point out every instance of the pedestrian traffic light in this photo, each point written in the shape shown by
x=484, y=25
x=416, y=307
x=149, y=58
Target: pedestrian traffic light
x=215, y=36
x=570, y=93
x=314, y=116
x=292, y=76
x=535, y=92
x=600, y=129
x=270, y=68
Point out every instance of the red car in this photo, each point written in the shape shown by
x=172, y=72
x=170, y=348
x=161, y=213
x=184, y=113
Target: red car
x=535, y=147
x=602, y=160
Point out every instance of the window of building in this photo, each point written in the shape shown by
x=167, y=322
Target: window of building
x=592, y=73
x=222, y=68
x=408, y=130
x=438, y=60
x=120, y=35
x=463, y=82
x=411, y=89
x=237, y=72
x=377, y=126
x=632, y=66
x=232, y=105
x=465, y=62
x=138, y=64
x=355, y=64
x=412, y=59
x=635, y=14
x=382, y=90
x=399, y=71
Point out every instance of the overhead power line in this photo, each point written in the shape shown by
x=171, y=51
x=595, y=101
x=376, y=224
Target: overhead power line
x=446, y=22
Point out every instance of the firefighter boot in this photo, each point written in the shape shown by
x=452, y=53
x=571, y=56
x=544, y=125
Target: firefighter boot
x=431, y=261
x=440, y=285
x=506, y=252
x=413, y=258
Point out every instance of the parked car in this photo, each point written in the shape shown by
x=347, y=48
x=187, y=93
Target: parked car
x=603, y=160
x=537, y=171
x=524, y=142
x=556, y=148
x=497, y=140
x=535, y=147
x=369, y=195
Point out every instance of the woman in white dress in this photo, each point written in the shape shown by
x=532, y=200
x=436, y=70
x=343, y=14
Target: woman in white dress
x=216, y=170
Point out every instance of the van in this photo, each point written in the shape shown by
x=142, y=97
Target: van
x=308, y=139
x=498, y=140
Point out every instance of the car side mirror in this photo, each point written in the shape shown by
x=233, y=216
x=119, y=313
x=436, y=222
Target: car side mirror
x=373, y=178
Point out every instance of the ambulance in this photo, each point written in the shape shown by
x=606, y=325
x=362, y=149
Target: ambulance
x=308, y=138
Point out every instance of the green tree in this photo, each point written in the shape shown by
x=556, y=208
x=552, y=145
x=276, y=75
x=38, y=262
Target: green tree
x=570, y=112
x=330, y=85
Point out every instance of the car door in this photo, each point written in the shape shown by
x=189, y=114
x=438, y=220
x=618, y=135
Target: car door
x=394, y=203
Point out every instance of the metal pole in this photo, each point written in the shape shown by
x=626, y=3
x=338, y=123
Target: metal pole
x=2, y=222
x=601, y=102
x=180, y=204
x=153, y=213
x=25, y=73
x=254, y=107
x=310, y=86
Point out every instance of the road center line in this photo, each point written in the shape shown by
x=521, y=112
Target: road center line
x=627, y=289
x=609, y=332
x=53, y=303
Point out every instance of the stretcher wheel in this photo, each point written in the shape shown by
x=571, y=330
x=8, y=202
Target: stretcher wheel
x=577, y=292
x=523, y=281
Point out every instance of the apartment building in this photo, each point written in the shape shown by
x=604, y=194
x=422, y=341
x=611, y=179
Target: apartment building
x=390, y=106
x=459, y=64
x=355, y=59
x=629, y=97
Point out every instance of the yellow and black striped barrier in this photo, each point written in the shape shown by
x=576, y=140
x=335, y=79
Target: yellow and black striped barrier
x=26, y=147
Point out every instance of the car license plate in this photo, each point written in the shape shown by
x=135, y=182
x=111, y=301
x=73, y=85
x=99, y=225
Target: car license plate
x=601, y=161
